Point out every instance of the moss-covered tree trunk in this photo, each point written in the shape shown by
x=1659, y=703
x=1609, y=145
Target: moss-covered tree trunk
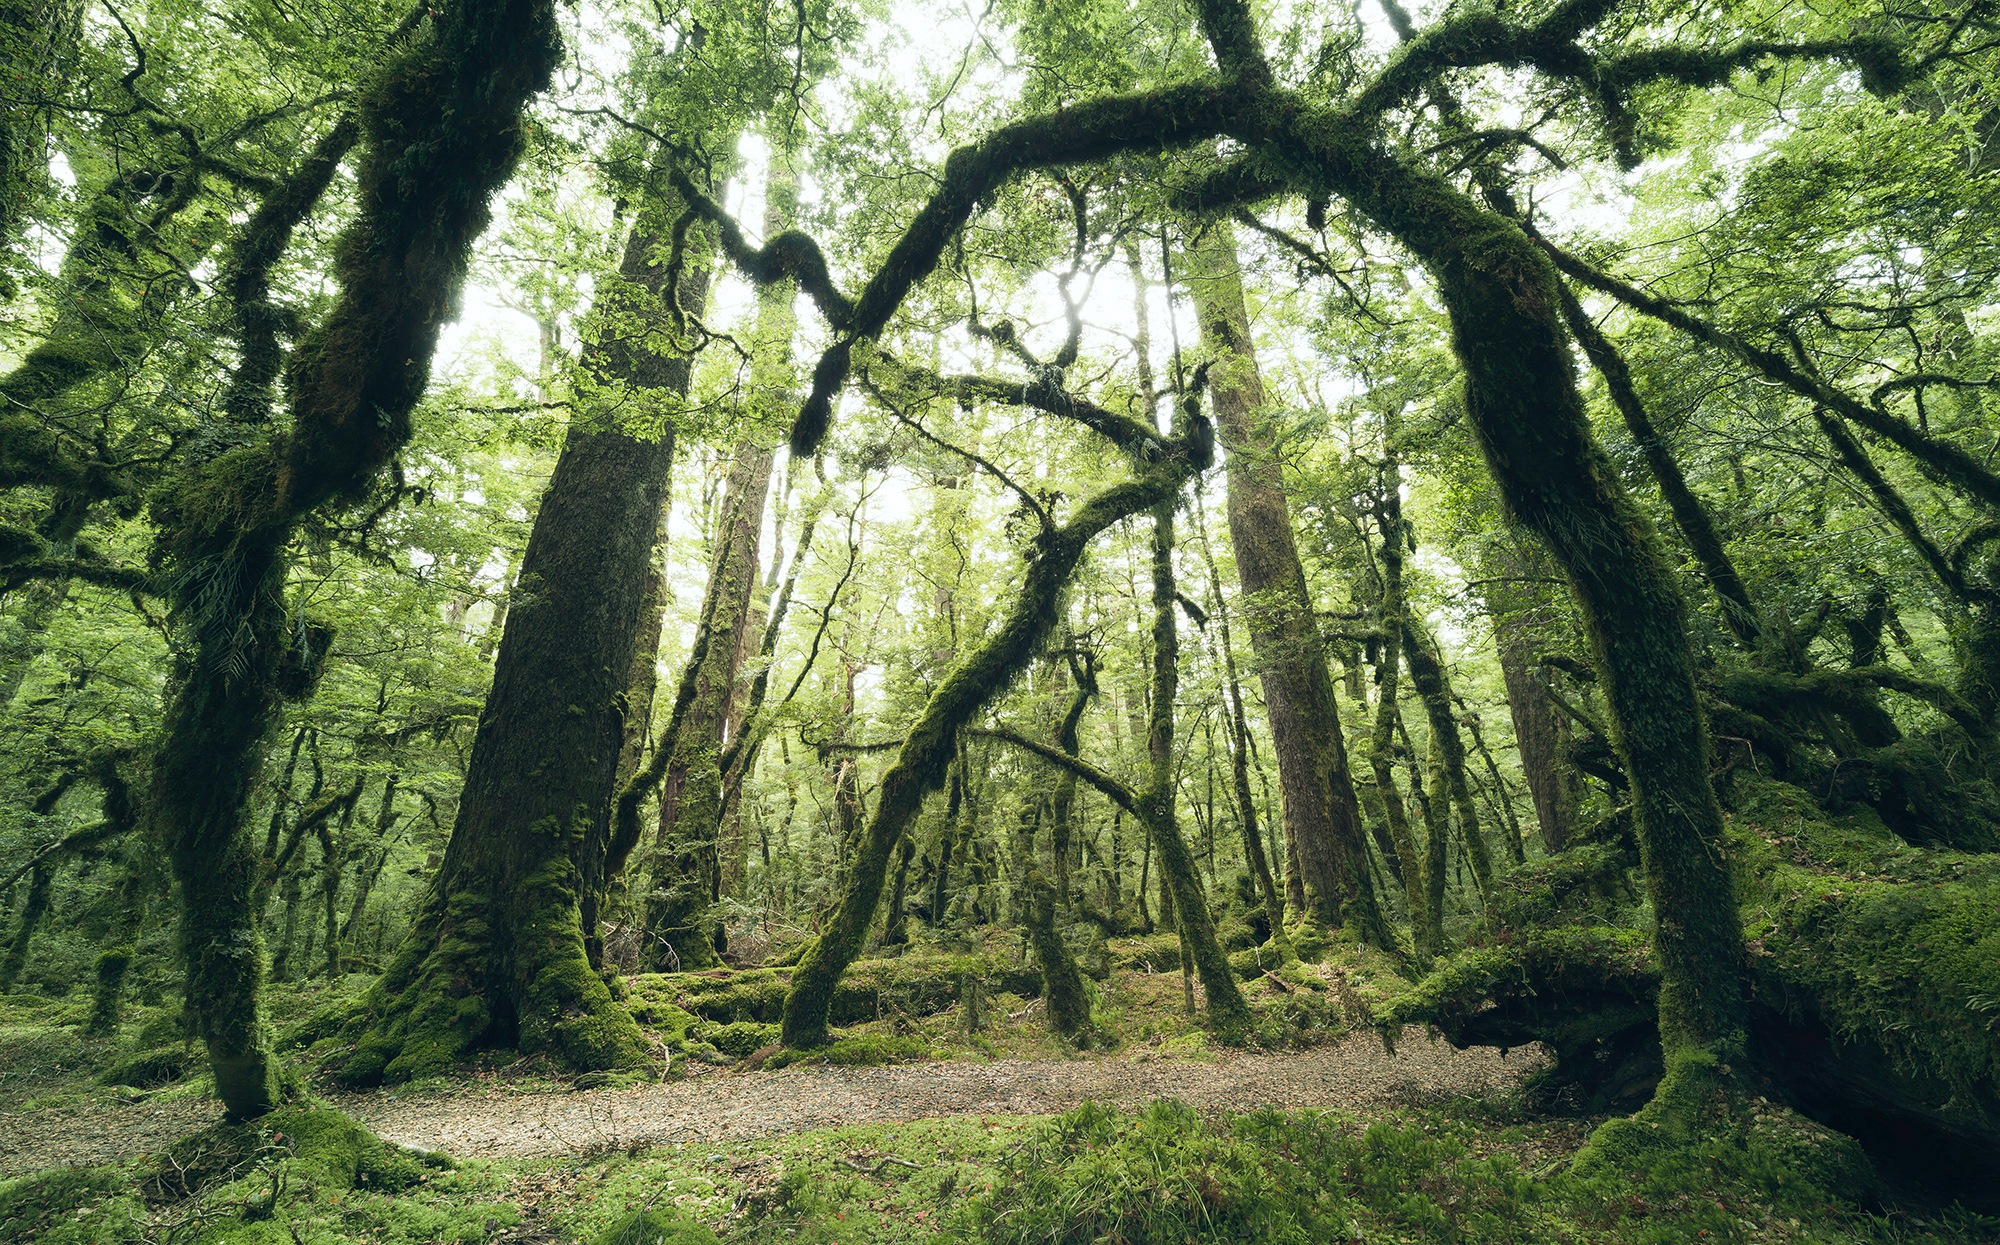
x=1192, y=920
x=1514, y=601
x=441, y=130
x=107, y=1002
x=1321, y=812
x=41, y=882
x=684, y=864
x=929, y=746
x=1426, y=928
x=495, y=956
x=1238, y=735
x=1427, y=675
x=1504, y=301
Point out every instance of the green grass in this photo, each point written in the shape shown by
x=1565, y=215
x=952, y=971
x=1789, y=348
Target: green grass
x=1461, y=1172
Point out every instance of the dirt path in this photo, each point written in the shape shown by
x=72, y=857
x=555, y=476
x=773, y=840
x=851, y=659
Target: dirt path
x=1355, y=1074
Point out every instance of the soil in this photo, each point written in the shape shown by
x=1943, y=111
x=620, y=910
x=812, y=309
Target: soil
x=1354, y=1074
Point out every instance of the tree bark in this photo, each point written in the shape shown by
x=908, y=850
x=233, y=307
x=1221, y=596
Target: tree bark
x=1320, y=808
x=443, y=129
x=1512, y=574
x=496, y=955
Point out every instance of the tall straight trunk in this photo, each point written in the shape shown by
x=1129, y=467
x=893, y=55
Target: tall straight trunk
x=1516, y=601
x=685, y=864
x=496, y=955
x=1321, y=811
x=1427, y=674
x=1503, y=797
x=1425, y=919
x=1237, y=734
x=1226, y=1008
x=442, y=133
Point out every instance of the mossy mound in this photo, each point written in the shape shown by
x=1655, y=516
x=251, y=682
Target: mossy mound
x=151, y=1069
x=1872, y=971
x=654, y=1227
x=741, y=1039
x=858, y=1050
x=1875, y=971
x=1169, y=1175
x=71, y=1206
x=323, y=1148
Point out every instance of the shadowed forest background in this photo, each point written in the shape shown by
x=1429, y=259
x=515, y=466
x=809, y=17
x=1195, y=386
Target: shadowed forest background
x=652, y=550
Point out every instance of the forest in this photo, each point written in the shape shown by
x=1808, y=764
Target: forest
x=694, y=621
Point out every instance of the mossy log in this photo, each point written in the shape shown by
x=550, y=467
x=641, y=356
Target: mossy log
x=1871, y=978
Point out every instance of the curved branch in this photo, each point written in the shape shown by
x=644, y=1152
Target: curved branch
x=1946, y=460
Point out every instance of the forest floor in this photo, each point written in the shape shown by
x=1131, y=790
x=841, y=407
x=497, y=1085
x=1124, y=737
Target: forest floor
x=487, y=1118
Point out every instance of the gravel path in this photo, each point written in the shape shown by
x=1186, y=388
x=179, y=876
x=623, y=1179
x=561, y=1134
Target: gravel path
x=1354, y=1074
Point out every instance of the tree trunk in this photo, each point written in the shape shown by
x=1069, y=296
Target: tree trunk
x=1503, y=298
x=1320, y=808
x=41, y=880
x=1513, y=574
x=1427, y=674
x=684, y=865
x=496, y=954
x=1226, y=1009
x=443, y=132
x=928, y=747
x=1426, y=921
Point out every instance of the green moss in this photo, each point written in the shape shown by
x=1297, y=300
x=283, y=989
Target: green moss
x=741, y=1039
x=324, y=1148
x=71, y=1206
x=1889, y=947
x=913, y=985
x=654, y=1227
x=1586, y=884
x=151, y=1069
x=858, y=1050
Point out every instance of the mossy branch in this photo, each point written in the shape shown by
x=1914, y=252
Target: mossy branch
x=1111, y=788
x=1949, y=462
x=1152, y=121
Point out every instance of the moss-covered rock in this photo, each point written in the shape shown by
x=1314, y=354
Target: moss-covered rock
x=741, y=1039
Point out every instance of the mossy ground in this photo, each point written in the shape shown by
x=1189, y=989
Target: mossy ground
x=1457, y=1172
